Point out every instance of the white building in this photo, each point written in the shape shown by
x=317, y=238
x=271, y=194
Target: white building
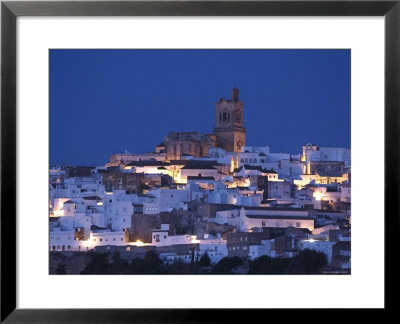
x=106, y=237
x=61, y=240
x=255, y=251
x=248, y=218
x=119, y=214
x=312, y=152
x=169, y=199
x=160, y=237
x=215, y=248
x=171, y=257
x=319, y=246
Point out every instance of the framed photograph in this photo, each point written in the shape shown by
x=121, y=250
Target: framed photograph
x=190, y=153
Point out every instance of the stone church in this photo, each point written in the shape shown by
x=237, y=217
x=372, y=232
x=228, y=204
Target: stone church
x=178, y=144
x=229, y=133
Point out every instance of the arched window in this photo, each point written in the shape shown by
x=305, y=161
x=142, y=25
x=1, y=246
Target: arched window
x=246, y=161
x=255, y=160
x=220, y=117
x=241, y=160
x=224, y=117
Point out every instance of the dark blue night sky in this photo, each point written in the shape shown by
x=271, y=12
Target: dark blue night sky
x=109, y=101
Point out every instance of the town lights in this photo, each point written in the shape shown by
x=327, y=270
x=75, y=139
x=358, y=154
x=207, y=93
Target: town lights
x=139, y=243
x=319, y=195
x=194, y=239
x=58, y=213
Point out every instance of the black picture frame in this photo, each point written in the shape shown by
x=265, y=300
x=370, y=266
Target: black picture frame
x=10, y=10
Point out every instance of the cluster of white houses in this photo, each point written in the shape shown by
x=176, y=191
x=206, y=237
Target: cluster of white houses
x=249, y=203
x=207, y=193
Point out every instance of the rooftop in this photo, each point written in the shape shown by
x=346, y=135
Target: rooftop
x=200, y=178
x=271, y=208
x=280, y=217
x=147, y=163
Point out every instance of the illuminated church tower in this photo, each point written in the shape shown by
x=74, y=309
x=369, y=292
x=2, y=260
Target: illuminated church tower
x=229, y=131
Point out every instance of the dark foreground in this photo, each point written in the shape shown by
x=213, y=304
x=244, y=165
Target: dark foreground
x=306, y=262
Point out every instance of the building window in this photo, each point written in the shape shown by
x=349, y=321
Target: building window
x=297, y=224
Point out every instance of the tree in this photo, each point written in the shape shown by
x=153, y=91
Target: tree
x=261, y=265
x=177, y=267
x=118, y=265
x=98, y=264
x=311, y=261
x=204, y=260
x=267, y=265
x=225, y=265
x=151, y=264
x=61, y=269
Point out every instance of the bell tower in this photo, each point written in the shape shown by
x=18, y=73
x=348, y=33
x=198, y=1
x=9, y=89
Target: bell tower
x=229, y=130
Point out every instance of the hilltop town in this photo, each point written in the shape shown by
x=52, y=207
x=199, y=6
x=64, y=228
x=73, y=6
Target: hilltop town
x=204, y=203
